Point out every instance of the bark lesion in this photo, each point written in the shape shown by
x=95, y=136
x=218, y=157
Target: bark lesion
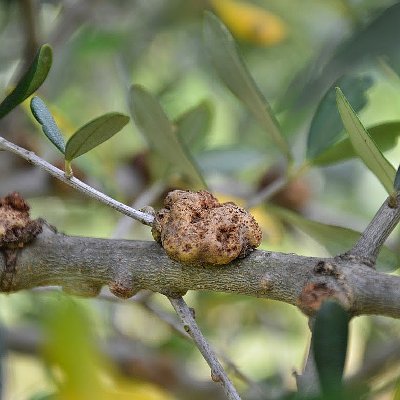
x=16, y=230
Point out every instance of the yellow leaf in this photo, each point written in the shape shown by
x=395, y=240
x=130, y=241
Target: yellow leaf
x=128, y=390
x=250, y=23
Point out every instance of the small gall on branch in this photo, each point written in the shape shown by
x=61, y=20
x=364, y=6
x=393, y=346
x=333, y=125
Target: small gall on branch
x=16, y=227
x=16, y=230
x=194, y=228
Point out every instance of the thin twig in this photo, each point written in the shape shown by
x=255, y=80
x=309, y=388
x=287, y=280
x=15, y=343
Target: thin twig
x=146, y=198
x=217, y=372
x=144, y=218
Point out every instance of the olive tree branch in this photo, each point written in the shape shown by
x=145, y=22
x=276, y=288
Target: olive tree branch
x=190, y=326
x=377, y=231
x=82, y=187
x=83, y=265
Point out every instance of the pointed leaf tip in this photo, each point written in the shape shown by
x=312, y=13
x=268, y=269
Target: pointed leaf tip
x=30, y=81
x=233, y=72
x=397, y=180
x=363, y=145
x=94, y=133
x=49, y=126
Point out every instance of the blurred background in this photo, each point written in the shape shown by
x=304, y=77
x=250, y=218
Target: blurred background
x=295, y=51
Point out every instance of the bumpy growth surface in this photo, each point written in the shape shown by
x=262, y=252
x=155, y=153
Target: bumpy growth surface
x=16, y=228
x=195, y=228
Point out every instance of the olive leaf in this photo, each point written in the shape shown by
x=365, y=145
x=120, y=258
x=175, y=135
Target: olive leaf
x=49, y=126
x=233, y=72
x=326, y=126
x=363, y=144
x=152, y=121
x=384, y=135
x=194, y=125
x=30, y=81
x=94, y=133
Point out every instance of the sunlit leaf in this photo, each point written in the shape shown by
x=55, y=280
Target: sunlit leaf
x=152, y=121
x=326, y=126
x=363, y=145
x=49, y=126
x=250, y=22
x=330, y=334
x=194, y=125
x=94, y=133
x=233, y=72
x=384, y=135
x=69, y=335
x=336, y=239
x=30, y=81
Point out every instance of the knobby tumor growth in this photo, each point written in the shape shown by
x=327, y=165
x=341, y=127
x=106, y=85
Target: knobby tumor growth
x=195, y=228
x=16, y=227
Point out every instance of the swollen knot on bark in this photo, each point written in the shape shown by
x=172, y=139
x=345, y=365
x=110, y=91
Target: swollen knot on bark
x=16, y=230
x=328, y=283
x=194, y=228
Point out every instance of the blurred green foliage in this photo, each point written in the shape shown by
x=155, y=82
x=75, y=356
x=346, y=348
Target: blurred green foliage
x=190, y=132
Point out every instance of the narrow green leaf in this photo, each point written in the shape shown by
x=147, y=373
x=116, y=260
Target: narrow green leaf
x=397, y=180
x=233, y=72
x=330, y=334
x=49, y=126
x=384, y=135
x=152, y=121
x=94, y=133
x=69, y=331
x=336, y=239
x=364, y=146
x=326, y=126
x=194, y=125
x=30, y=81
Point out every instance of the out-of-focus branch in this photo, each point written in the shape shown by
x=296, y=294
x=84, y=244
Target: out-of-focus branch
x=308, y=381
x=28, y=18
x=385, y=359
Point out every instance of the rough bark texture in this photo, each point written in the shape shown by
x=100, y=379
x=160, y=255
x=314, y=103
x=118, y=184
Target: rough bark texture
x=83, y=265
